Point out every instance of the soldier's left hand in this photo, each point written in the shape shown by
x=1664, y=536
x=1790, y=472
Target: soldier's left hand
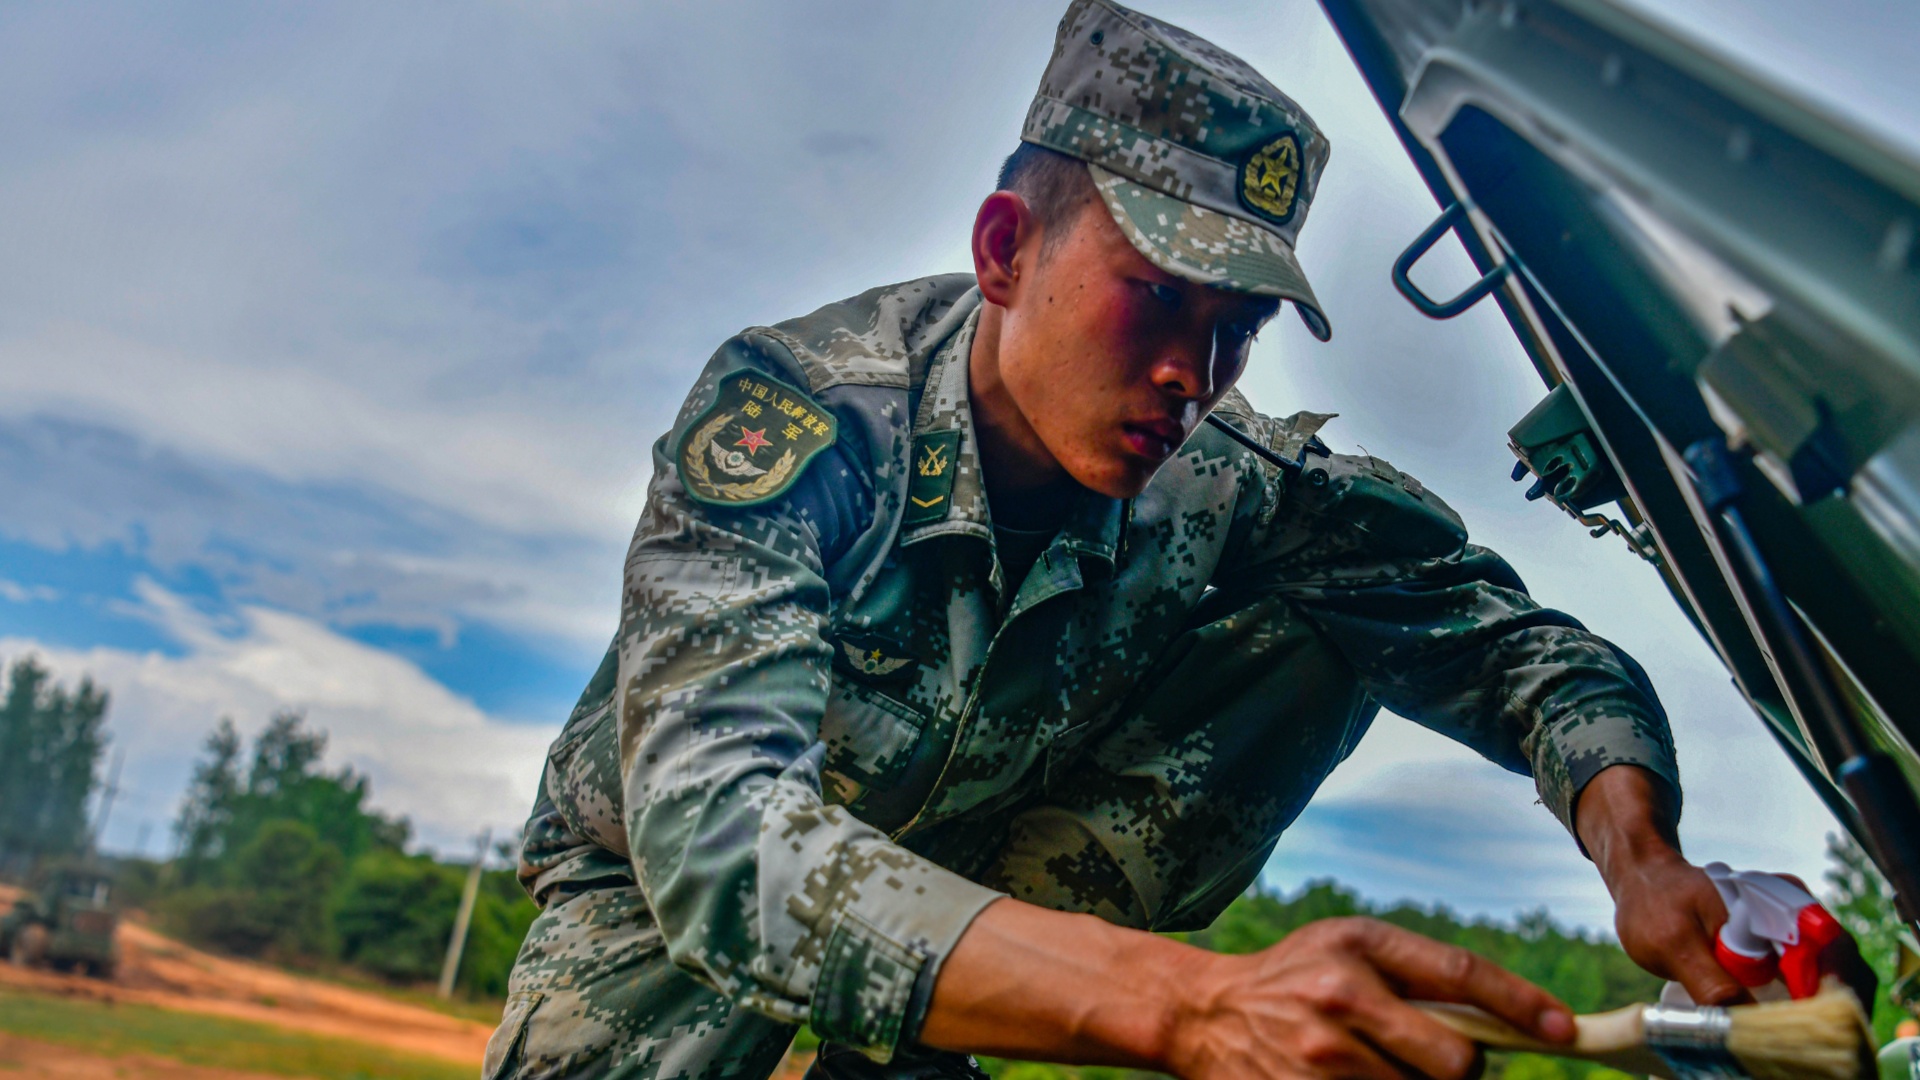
x=1666, y=910
x=1666, y=913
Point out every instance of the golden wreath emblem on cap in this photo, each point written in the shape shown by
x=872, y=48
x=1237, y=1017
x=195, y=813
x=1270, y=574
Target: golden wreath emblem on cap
x=1271, y=178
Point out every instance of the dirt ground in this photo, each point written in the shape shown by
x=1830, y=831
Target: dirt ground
x=156, y=970
x=159, y=971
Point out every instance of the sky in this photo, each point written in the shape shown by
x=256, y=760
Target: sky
x=333, y=339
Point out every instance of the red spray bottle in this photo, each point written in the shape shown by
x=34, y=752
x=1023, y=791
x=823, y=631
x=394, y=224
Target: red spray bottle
x=1775, y=931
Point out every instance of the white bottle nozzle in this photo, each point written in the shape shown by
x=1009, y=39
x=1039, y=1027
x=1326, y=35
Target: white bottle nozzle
x=1763, y=910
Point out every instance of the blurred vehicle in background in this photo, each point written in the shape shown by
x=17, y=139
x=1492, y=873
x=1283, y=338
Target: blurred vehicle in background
x=67, y=924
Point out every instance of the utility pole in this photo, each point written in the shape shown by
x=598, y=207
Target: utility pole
x=457, y=942
x=107, y=793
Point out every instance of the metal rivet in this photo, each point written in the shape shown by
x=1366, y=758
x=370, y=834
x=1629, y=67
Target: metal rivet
x=1317, y=477
x=1097, y=36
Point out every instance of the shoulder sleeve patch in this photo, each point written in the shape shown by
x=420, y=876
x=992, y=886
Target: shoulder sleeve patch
x=753, y=442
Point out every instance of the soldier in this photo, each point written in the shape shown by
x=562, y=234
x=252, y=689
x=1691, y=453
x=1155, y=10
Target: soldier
x=956, y=654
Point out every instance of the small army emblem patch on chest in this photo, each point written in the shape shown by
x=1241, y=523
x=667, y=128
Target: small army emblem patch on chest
x=1270, y=179
x=872, y=661
x=753, y=442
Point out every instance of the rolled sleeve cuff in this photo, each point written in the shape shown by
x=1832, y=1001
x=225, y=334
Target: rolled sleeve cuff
x=877, y=971
x=1578, y=747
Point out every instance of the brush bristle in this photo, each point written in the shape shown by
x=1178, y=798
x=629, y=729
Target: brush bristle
x=1824, y=1037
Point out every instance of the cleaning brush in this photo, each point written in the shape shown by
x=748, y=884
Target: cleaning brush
x=1823, y=1037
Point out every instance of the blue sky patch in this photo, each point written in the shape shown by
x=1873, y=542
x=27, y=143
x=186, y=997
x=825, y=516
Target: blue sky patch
x=512, y=677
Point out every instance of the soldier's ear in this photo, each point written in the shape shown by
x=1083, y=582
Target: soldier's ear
x=1006, y=244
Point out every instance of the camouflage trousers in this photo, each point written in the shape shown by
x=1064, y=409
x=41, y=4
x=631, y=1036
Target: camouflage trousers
x=594, y=994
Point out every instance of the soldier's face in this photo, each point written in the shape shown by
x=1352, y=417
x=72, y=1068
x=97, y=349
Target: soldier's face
x=1111, y=362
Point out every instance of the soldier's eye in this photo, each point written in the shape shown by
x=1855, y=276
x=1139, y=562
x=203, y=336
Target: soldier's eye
x=1165, y=294
x=1237, y=338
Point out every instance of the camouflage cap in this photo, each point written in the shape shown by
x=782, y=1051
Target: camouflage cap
x=1207, y=168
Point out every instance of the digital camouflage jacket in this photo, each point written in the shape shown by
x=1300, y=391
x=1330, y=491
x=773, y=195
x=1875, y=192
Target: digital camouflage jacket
x=829, y=732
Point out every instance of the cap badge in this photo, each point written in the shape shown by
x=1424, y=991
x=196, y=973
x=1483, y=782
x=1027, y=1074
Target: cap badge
x=1270, y=179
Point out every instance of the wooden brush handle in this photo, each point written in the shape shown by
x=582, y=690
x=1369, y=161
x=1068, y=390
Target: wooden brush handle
x=1611, y=1038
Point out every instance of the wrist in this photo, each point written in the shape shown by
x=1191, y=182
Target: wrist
x=1624, y=821
x=1027, y=982
x=1190, y=995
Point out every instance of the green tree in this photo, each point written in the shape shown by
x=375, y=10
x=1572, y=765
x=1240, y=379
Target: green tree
x=394, y=914
x=263, y=847
x=284, y=781
x=51, y=741
x=276, y=902
x=206, y=815
x=500, y=923
x=1863, y=902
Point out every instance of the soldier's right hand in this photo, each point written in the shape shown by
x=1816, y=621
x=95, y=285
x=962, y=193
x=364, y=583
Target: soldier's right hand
x=1330, y=1000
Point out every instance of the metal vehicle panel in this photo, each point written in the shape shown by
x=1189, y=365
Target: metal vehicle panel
x=1718, y=285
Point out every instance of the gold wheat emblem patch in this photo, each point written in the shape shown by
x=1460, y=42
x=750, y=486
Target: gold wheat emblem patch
x=1270, y=180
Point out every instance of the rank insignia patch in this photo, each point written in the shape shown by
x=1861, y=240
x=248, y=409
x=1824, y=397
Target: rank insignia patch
x=1270, y=179
x=930, y=479
x=753, y=442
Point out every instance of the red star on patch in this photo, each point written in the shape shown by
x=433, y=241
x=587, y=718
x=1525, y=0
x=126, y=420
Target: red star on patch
x=753, y=440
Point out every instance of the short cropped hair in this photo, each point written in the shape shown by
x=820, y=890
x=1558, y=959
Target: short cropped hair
x=1057, y=189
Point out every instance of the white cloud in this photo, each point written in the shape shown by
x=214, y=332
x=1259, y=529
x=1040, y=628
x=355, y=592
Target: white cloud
x=431, y=754
x=26, y=594
x=465, y=269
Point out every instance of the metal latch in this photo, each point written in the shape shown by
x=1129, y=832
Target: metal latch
x=1556, y=445
x=1403, y=267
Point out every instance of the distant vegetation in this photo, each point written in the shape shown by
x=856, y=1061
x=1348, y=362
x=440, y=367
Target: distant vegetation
x=1863, y=902
x=283, y=859
x=279, y=857
x=50, y=746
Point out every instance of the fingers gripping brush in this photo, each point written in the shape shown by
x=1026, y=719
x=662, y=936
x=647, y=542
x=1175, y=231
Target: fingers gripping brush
x=1823, y=1037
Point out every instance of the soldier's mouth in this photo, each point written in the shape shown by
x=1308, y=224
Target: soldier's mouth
x=1154, y=439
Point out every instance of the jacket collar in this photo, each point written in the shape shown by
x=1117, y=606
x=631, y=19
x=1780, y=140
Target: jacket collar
x=1096, y=525
x=945, y=411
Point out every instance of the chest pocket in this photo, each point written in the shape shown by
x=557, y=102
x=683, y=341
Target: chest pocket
x=872, y=734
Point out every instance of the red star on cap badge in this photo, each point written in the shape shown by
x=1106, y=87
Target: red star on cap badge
x=753, y=440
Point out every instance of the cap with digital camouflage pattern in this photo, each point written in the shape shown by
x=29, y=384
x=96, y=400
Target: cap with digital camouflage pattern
x=1205, y=165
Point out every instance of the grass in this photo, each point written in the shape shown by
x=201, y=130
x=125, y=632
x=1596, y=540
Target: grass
x=212, y=1041
x=482, y=1010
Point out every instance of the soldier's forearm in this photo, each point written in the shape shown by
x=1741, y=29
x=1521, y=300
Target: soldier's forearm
x=1024, y=981
x=1625, y=818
